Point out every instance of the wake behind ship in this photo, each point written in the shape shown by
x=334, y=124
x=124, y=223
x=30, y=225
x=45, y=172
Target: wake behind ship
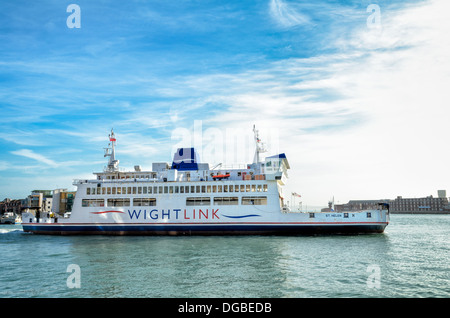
x=189, y=198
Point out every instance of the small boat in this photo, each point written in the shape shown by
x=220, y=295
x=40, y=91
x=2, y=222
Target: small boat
x=221, y=176
x=8, y=218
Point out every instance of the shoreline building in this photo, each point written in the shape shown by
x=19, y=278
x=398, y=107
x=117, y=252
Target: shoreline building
x=40, y=201
x=14, y=206
x=49, y=202
x=424, y=205
x=62, y=201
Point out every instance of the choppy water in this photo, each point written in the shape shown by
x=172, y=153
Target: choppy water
x=411, y=259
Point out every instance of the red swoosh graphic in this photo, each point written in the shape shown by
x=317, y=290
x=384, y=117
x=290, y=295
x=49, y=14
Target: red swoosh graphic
x=107, y=212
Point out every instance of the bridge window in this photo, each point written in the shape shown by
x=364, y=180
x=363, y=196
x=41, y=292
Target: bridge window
x=254, y=200
x=118, y=202
x=198, y=201
x=226, y=201
x=92, y=202
x=144, y=202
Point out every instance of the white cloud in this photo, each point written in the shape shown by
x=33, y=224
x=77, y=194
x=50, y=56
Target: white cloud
x=4, y=165
x=27, y=153
x=286, y=15
x=31, y=154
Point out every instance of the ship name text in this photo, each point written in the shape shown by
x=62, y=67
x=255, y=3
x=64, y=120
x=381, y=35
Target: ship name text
x=174, y=214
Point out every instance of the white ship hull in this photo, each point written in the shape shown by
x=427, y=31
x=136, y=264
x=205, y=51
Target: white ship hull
x=171, y=216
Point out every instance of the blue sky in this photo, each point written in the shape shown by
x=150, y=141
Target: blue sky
x=360, y=111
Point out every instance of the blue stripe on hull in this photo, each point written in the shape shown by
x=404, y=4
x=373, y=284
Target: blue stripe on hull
x=217, y=229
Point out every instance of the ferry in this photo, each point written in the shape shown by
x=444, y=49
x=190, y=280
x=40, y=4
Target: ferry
x=188, y=197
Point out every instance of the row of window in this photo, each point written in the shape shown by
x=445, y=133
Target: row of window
x=118, y=202
x=133, y=176
x=226, y=201
x=416, y=208
x=193, y=201
x=154, y=175
x=178, y=189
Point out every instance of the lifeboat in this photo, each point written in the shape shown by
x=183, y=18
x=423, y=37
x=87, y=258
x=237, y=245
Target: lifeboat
x=221, y=176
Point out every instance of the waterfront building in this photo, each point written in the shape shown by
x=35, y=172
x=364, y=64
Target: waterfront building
x=62, y=201
x=14, y=206
x=427, y=204
x=40, y=201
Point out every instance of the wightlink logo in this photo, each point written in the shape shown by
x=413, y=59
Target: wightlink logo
x=174, y=214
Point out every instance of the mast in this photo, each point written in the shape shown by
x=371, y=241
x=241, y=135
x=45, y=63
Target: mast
x=113, y=163
x=259, y=145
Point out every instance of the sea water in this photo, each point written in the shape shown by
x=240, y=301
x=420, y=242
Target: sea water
x=410, y=259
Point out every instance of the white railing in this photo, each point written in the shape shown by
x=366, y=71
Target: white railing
x=236, y=166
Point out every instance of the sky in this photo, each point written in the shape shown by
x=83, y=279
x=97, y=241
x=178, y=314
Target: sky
x=355, y=93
